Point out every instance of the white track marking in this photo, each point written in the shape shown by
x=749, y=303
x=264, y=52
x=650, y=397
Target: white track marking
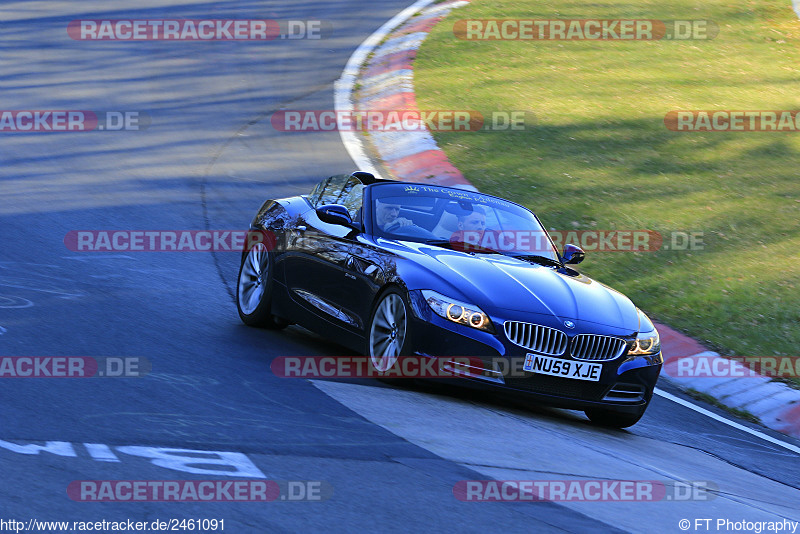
x=507, y=443
x=728, y=422
x=343, y=88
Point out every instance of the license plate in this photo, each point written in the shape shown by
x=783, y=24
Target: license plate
x=545, y=365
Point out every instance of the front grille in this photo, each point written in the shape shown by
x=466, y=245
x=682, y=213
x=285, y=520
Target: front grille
x=537, y=338
x=560, y=387
x=593, y=348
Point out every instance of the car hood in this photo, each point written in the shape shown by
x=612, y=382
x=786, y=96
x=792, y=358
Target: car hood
x=497, y=283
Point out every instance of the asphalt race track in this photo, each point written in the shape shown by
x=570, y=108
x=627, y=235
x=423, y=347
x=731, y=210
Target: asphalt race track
x=387, y=457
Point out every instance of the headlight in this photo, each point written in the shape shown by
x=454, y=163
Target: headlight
x=457, y=311
x=647, y=342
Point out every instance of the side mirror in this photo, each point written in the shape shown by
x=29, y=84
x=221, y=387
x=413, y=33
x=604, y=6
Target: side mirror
x=336, y=214
x=573, y=254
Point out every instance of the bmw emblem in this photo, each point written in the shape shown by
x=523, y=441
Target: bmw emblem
x=569, y=324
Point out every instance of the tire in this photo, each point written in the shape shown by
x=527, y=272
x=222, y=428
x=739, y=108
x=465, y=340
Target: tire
x=388, y=334
x=614, y=419
x=254, y=288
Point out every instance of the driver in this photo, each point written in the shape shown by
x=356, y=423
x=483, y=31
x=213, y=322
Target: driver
x=387, y=215
x=472, y=233
x=474, y=221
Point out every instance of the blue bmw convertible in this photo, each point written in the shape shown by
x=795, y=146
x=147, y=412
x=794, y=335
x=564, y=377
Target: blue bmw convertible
x=394, y=270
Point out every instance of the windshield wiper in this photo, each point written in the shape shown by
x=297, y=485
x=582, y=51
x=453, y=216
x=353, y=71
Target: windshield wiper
x=446, y=243
x=461, y=246
x=472, y=249
x=542, y=260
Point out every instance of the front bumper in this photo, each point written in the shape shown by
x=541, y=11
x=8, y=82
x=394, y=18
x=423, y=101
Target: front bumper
x=626, y=383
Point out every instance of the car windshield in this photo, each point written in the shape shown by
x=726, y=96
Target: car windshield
x=459, y=219
x=344, y=189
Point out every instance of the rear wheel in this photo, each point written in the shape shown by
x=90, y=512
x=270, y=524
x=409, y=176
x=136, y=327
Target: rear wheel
x=388, y=335
x=614, y=419
x=254, y=288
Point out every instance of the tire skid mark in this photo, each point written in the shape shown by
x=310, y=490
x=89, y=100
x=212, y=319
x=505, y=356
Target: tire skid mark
x=16, y=284
x=237, y=136
x=13, y=302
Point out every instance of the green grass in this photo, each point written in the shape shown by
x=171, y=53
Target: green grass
x=600, y=157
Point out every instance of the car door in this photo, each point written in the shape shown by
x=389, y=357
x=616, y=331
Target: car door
x=317, y=271
x=366, y=269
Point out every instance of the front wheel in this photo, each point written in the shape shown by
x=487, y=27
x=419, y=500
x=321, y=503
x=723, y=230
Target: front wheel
x=388, y=337
x=614, y=419
x=254, y=288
